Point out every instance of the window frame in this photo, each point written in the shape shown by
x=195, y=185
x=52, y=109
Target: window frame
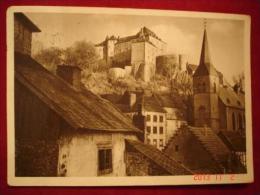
x=161, y=118
x=155, y=118
x=155, y=130
x=148, y=129
x=161, y=130
x=108, y=166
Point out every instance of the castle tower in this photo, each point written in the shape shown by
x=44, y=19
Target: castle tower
x=205, y=90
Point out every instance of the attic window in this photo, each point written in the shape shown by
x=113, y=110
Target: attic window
x=228, y=101
x=238, y=103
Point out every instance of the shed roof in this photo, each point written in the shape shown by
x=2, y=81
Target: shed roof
x=159, y=158
x=81, y=109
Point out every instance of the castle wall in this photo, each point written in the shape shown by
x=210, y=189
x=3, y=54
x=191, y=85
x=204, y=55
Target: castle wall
x=123, y=47
x=137, y=55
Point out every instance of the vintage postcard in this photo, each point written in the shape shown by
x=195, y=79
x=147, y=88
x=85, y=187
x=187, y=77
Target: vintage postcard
x=120, y=97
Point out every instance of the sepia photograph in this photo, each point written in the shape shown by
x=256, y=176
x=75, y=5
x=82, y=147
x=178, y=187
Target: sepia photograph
x=117, y=97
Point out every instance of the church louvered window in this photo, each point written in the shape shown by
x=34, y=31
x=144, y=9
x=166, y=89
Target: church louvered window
x=234, y=121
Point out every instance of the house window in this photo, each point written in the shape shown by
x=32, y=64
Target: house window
x=148, y=129
x=104, y=161
x=161, y=130
x=161, y=119
x=155, y=130
x=176, y=148
x=161, y=143
x=148, y=117
x=155, y=142
x=155, y=118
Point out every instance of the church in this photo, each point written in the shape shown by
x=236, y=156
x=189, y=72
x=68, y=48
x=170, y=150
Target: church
x=216, y=103
x=217, y=135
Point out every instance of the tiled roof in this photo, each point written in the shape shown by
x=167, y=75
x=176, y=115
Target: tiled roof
x=159, y=158
x=167, y=100
x=150, y=103
x=126, y=39
x=140, y=36
x=234, y=140
x=81, y=109
x=147, y=32
x=212, y=143
x=230, y=98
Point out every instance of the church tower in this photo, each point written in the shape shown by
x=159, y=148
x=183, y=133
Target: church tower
x=205, y=90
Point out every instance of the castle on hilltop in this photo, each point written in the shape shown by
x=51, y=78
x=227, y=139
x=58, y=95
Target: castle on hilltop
x=134, y=54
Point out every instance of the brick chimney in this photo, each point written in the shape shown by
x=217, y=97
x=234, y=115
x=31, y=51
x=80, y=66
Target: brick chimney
x=71, y=74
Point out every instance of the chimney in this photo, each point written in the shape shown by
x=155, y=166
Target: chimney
x=70, y=74
x=132, y=99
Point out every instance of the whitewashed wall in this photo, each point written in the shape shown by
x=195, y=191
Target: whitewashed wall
x=82, y=154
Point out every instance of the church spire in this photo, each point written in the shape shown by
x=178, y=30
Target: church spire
x=204, y=56
x=205, y=66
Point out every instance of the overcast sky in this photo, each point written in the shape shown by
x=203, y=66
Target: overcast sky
x=183, y=35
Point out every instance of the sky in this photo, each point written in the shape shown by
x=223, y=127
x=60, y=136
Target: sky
x=182, y=35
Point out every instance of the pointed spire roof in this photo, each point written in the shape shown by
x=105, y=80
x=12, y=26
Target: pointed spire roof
x=204, y=56
x=205, y=66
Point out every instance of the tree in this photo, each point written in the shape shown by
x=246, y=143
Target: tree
x=81, y=54
x=50, y=58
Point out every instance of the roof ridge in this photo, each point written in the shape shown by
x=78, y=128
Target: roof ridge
x=205, y=143
x=169, y=159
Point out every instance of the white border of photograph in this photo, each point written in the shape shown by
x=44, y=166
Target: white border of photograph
x=128, y=180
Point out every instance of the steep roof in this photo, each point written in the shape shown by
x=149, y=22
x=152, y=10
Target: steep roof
x=150, y=103
x=126, y=39
x=213, y=144
x=144, y=31
x=81, y=109
x=230, y=98
x=159, y=158
x=26, y=22
x=205, y=66
x=233, y=140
